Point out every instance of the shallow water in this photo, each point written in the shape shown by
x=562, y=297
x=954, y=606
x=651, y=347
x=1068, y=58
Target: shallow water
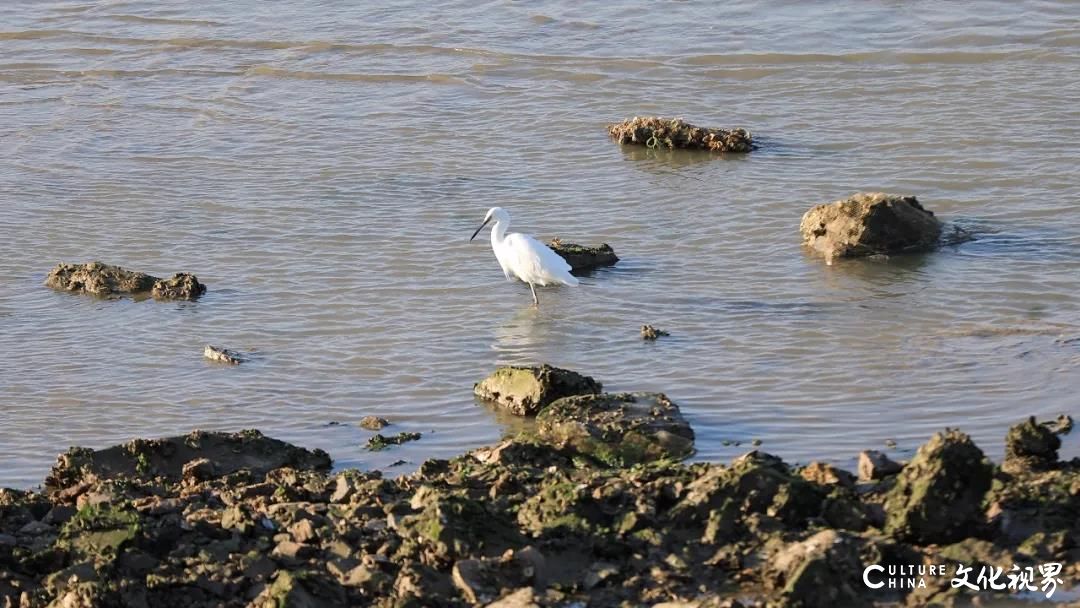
x=322, y=167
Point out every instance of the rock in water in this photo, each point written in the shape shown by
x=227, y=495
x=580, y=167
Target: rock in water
x=182, y=286
x=222, y=355
x=526, y=390
x=99, y=279
x=655, y=132
x=650, y=333
x=938, y=496
x=870, y=223
x=1030, y=446
x=581, y=257
x=618, y=429
x=373, y=423
x=104, y=280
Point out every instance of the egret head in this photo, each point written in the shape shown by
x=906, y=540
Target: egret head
x=495, y=213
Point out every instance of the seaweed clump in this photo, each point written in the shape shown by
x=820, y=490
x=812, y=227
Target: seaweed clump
x=655, y=132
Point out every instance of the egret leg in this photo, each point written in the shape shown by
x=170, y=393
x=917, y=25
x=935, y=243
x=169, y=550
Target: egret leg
x=536, y=302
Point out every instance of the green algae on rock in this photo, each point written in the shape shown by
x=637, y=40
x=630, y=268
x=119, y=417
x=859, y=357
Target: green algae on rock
x=380, y=442
x=1030, y=445
x=521, y=523
x=618, y=429
x=938, y=496
x=105, y=280
x=582, y=257
x=656, y=132
x=526, y=390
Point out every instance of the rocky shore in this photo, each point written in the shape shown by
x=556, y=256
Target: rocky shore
x=558, y=518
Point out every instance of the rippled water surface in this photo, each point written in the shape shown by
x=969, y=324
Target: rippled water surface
x=321, y=168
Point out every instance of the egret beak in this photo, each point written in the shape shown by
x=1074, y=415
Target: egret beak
x=480, y=228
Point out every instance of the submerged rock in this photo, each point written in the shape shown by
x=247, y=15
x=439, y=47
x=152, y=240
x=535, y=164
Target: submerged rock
x=581, y=257
x=655, y=132
x=526, y=390
x=618, y=429
x=938, y=496
x=223, y=355
x=381, y=442
x=650, y=333
x=373, y=423
x=104, y=280
x=869, y=223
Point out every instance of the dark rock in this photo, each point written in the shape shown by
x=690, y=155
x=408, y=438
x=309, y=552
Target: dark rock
x=293, y=553
x=1030, y=446
x=526, y=390
x=373, y=423
x=939, y=494
x=198, y=470
x=876, y=465
x=826, y=474
x=522, y=598
x=755, y=483
x=581, y=257
x=822, y=571
x=141, y=458
x=618, y=429
x=105, y=280
x=453, y=524
x=870, y=223
x=482, y=580
x=380, y=442
x=655, y=132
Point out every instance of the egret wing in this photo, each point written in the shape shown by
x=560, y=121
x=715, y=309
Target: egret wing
x=534, y=262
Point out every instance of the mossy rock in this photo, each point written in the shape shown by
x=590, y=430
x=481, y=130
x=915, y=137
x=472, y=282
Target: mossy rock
x=618, y=429
x=100, y=531
x=526, y=390
x=938, y=496
x=1030, y=445
x=454, y=524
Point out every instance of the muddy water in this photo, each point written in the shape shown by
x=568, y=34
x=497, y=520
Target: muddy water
x=322, y=167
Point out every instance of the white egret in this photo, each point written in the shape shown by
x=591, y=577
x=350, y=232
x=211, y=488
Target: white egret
x=524, y=257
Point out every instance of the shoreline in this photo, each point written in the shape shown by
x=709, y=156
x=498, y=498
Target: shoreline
x=216, y=519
